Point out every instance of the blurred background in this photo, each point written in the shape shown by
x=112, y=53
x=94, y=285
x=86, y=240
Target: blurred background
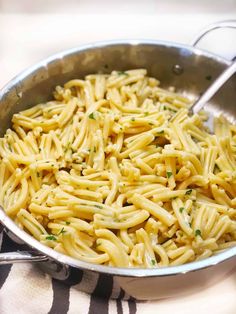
x=32, y=30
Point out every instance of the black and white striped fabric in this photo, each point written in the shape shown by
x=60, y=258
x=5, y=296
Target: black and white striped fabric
x=25, y=289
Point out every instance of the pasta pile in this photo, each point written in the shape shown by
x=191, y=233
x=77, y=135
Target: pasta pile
x=115, y=171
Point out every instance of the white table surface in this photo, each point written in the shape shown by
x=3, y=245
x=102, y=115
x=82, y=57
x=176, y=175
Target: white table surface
x=26, y=38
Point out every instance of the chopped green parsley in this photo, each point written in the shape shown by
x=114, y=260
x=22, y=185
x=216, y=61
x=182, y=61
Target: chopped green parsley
x=197, y=232
x=61, y=231
x=51, y=237
x=91, y=116
x=98, y=206
x=188, y=192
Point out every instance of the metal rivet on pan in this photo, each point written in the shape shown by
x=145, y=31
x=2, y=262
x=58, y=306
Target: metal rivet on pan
x=177, y=69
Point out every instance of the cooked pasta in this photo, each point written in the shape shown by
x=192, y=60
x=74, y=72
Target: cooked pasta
x=115, y=171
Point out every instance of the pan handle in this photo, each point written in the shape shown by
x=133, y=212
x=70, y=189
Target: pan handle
x=21, y=257
x=211, y=27
x=51, y=267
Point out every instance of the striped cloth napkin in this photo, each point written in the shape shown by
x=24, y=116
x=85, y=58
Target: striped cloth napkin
x=25, y=289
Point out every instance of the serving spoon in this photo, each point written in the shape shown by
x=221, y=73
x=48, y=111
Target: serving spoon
x=214, y=87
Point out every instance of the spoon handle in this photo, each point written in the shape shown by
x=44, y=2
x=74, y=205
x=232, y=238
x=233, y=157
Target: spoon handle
x=214, y=87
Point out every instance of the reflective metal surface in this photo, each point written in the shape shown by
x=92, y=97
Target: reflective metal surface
x=214, y=88
x=191, y=71
x=21, y=257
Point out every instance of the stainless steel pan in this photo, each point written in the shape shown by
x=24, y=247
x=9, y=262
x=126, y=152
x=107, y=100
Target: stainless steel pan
x=191, y=71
